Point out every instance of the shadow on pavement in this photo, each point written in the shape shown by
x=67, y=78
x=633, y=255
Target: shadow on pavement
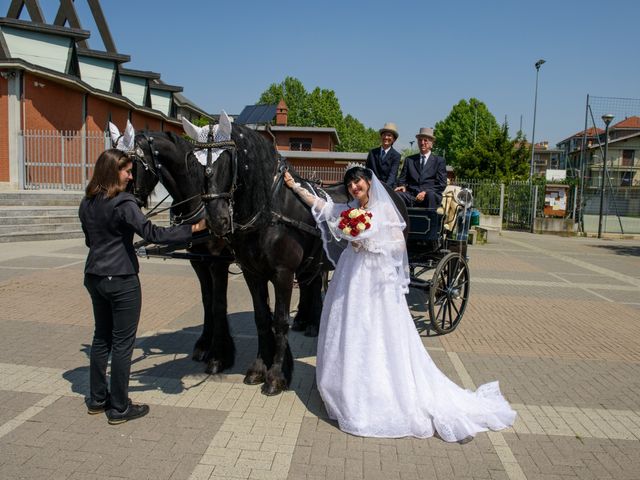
x=629, y=250
x=163, y=361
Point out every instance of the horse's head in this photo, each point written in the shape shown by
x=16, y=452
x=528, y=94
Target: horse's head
x=220, y=185
x=145, y=177
x=217, y=153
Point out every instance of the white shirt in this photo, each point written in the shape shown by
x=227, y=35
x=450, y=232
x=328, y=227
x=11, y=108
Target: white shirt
x=426, y=158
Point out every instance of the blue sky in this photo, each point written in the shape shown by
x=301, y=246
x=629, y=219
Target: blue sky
x=406, y=61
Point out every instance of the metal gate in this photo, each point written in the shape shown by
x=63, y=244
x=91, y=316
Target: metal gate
x=60, y=160
x=517, y=206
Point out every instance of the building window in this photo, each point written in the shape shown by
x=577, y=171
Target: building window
x=300, y=144
x=626, y=179
x=627, y=158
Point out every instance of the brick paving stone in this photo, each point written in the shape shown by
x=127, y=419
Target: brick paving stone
x=546, y=318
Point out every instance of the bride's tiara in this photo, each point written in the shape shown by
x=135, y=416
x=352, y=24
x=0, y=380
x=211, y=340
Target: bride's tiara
x=351, y=165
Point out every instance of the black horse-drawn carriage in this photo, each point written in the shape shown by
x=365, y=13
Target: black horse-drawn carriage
x=437, y=251
x=437, y=254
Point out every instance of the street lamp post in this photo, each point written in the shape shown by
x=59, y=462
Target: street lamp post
x=534, y=199
x=607, y=120
x=538, y=64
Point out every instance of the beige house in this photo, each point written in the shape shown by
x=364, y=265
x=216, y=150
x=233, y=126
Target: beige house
x=623, y=153
x=546, y=158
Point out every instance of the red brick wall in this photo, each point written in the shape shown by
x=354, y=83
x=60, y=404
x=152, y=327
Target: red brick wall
x=51, y=106
x=141, y=121
x=170, y=127
x=320, y=142
x=98, y=112
x=4, y=130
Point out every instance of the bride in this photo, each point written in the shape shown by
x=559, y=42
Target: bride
x=373, y=373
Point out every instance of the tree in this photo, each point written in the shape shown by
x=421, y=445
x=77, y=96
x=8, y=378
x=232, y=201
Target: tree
x=466, y=124
x=295, y=96
x=320, y=108
x=355, y=137
x=495, y=156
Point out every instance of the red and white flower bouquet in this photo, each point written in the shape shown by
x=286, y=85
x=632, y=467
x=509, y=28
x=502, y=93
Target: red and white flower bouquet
x=354, y=221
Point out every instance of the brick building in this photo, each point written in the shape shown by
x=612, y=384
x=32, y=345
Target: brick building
x=57, y=96
x=310, y=150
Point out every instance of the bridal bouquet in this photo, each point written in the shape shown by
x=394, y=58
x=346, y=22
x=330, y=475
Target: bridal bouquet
x=354, y=221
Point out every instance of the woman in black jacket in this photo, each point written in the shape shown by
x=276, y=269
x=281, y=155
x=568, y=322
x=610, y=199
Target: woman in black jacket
x=110, y=217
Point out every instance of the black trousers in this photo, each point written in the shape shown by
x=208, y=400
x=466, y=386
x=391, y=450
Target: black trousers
x=431, y=199
x=116, y=309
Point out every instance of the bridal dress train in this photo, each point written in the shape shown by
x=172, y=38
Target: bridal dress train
x=373, y=372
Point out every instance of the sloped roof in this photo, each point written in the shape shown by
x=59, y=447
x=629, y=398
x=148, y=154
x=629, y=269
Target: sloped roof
x=629, y=122
x=591, y=132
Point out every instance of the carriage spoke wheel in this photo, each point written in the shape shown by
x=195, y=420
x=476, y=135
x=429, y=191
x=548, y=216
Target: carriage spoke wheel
x=449, y=293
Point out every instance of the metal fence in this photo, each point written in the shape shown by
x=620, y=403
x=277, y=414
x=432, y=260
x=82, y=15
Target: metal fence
x=327, y=175
x=61, y=160
x=620, y=209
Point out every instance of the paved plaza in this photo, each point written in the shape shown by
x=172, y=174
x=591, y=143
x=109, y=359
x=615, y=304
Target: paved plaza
x=555, y=320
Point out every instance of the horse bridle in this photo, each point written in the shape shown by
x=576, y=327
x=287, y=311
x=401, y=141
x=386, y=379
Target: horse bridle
x=228, y=145
x=155, y=167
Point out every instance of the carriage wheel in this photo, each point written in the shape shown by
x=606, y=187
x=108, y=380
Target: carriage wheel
x=449, y=293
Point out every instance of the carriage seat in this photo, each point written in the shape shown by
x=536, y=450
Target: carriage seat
x=449, y=206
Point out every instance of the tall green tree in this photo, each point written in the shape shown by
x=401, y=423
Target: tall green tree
x=320, y=108
x=295, y=96
x=355, y=137
x=467, y=123
x=495, y=156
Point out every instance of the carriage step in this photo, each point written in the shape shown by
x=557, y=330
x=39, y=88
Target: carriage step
x=419, y=283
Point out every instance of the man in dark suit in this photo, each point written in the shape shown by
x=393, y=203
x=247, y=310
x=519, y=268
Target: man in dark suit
x=385, y=160
x=424, y=175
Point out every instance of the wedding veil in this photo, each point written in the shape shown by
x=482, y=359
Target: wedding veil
x=385, y=237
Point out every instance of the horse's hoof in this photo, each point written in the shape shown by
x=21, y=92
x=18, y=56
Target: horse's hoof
x=311, y=331
x=253, y=379
x=272, y=390
x=213, y=367
x=199, y=355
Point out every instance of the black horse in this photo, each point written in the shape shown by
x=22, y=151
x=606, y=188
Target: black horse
x=274, y=238
x=166, y=158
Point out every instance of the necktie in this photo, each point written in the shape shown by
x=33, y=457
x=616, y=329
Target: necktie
x=423, y=161
x=382, y=154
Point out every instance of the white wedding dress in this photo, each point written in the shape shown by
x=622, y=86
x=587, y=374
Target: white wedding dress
x=373, y=372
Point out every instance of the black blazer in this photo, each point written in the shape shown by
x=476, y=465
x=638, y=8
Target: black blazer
x=386, y=169
x=416, y=180
x=109, y=224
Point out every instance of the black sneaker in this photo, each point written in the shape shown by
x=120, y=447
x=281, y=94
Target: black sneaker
x=94, y=408
x=132, y=412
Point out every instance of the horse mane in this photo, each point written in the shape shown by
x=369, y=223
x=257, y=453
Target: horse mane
x=256, y=158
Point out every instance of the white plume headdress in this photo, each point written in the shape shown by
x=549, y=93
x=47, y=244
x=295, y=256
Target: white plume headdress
x=124, y=141
x=221, y=133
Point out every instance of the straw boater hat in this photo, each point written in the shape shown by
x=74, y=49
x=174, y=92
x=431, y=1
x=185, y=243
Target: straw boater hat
x=426, y=132
x=391, y=128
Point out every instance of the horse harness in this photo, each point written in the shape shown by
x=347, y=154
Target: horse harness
x=164, y=177
x=251, y=224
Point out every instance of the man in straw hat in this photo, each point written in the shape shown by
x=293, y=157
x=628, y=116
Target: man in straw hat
x=385, y=160
x=424, y=175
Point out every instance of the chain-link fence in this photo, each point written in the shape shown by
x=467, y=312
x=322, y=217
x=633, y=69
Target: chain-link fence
x=610, y=187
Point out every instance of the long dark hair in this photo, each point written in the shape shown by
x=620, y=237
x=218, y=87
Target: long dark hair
x=356, y=173
x=106, y=178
